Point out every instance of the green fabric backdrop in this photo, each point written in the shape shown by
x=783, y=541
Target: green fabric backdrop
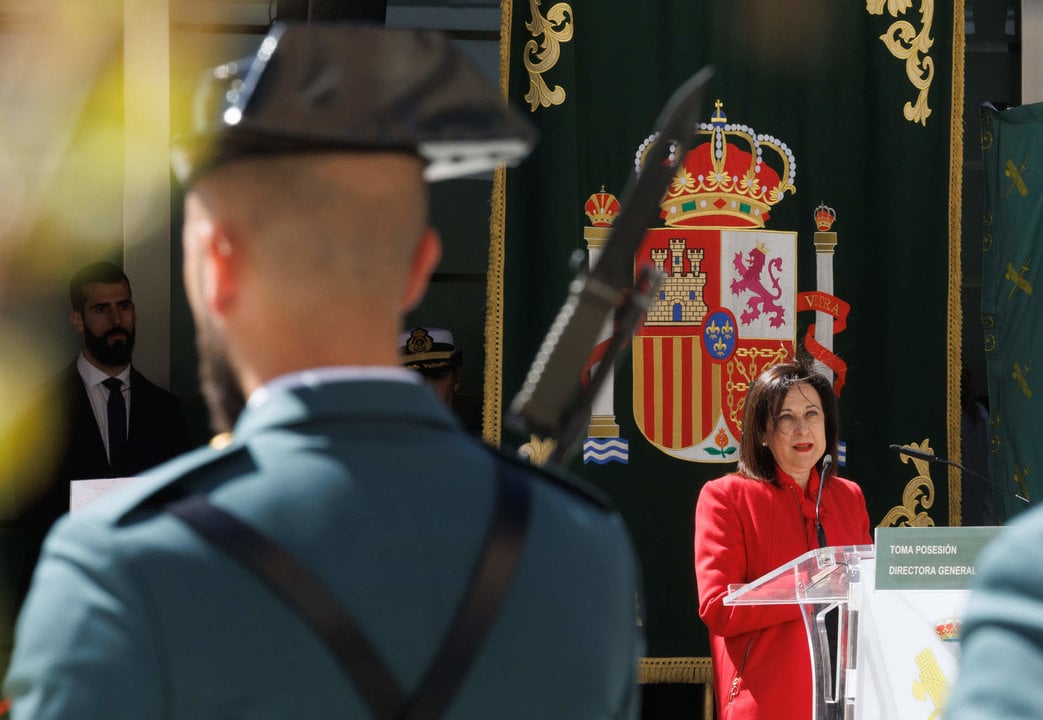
x=1011, y=139
x=816, y=75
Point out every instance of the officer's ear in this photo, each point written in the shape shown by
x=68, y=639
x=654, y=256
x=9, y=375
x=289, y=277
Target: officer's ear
x=210, y=254
x=426, y=257
x=223, y=259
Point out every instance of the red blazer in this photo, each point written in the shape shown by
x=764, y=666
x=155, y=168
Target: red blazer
x=744, y=529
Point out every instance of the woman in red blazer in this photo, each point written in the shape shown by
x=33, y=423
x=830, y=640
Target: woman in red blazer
x=762, y=516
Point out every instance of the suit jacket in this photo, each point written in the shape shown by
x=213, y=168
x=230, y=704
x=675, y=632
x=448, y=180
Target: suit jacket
x=156, y=432
x=156, y=429
x=376, y=487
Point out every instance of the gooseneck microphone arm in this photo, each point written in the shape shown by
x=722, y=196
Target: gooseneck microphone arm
x=827, y=462
x=921, y=455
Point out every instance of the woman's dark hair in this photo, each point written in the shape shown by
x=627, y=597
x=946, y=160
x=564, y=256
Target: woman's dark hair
x=764, y=401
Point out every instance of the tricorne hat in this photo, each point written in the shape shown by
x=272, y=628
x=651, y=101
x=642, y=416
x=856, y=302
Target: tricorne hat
x=339, y=86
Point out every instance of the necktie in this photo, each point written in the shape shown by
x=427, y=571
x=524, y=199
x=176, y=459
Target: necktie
x=117, y=411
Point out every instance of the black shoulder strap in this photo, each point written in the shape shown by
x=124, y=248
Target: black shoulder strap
x=305, y=593
x=481, y=603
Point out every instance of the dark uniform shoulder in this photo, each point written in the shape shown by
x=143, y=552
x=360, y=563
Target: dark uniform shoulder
x=198, y=471
x=567, y=482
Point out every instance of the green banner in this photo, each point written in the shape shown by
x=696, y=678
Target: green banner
x=1012, y=315
x=819, y=212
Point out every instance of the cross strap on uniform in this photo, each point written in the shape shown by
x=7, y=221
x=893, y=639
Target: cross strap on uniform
x=306, y=594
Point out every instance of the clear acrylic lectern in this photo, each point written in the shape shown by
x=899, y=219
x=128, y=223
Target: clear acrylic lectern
x=820, y=581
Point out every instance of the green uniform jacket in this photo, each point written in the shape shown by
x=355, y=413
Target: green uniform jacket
x=1001, y=644
x=376, y=487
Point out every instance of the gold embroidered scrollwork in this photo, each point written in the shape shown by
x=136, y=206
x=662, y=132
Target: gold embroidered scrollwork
x=538, y=450
x=918, y=492
x=543, y=50
x=912, y=44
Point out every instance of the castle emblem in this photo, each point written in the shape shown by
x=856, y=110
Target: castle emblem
x=680, y=295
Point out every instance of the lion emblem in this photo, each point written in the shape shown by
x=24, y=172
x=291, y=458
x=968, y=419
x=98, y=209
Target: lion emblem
x=763, y=300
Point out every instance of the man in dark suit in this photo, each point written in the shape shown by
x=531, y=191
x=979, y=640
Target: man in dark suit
x=148, y=427
x=103, y=313
x=352, y=551
x=151, y=428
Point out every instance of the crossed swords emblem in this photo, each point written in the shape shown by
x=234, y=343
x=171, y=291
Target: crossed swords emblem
x=1018, y=278
x=1016, y=179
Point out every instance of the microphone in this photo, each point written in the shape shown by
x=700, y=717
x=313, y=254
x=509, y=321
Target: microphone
x=827, y=462
x=921, y=455
x=914, y=453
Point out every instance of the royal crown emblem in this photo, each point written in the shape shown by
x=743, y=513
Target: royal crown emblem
x=601, y=208
x=825, y=217
x=729, y=180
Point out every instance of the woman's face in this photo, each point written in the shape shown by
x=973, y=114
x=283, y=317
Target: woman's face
x=797, y=435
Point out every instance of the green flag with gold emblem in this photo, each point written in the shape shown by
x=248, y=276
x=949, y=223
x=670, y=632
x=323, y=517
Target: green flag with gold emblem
x=816, y=214
x=1012, y=142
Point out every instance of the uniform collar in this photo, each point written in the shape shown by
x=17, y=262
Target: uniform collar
x=360, y=397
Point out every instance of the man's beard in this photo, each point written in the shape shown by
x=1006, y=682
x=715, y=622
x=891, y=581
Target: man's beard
x=224, y=398
x=119, y=353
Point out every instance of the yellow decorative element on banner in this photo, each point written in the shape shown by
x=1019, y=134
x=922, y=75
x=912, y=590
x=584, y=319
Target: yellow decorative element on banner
x=986, y=131
x=906, y=42
x=1017, y=180
x=988, y=322
x=539, y=56
x=919, y=491
x=1020, y=475
x=954, y=300
x=1018, y=278
x=931, y=683
x=679, y=670
x=537, y=451
x=1020, y=376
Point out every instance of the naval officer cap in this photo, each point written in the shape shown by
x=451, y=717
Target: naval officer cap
x=429, y=350
x=337, y=86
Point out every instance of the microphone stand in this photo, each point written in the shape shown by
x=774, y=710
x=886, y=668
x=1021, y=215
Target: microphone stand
x=553, y=401
x=921, y=455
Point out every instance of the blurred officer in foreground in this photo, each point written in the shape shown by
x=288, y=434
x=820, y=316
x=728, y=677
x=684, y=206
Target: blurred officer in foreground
x=431, y=352
x=1001, y=639
x=352, y=552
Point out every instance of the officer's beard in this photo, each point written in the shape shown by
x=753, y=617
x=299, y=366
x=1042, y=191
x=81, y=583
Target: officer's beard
x=224, y=398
